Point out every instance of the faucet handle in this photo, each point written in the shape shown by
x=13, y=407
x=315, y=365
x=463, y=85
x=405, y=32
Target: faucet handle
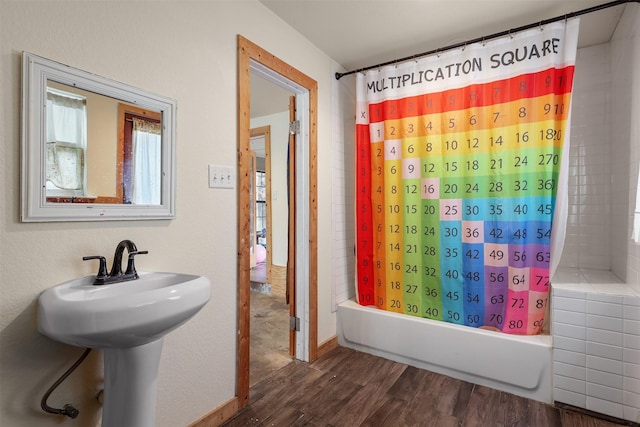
x=102, y=269
x=131, y=268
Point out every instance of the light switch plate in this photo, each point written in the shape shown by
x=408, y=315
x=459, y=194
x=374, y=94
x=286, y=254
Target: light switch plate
x=221, y=176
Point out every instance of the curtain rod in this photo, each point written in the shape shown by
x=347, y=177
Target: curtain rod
x=492, y=36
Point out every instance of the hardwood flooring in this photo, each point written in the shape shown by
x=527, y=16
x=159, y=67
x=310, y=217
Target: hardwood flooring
x=351, y=388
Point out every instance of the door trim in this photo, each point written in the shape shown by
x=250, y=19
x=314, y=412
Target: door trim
x=247, y=52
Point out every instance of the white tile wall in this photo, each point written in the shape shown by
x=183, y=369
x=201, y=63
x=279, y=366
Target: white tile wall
x=596, y=357
x=603, y=308
x=607, y=379
x=578, y=400
x=631, y=359
x=603, y=322
x=605, y=407
x=605, y=154
x=588, y=237
x=571, y=371
x=605, y=337
x=573, y=345
x=604, y=351
x=625, y=89
x=343, y=187
x=604, y=365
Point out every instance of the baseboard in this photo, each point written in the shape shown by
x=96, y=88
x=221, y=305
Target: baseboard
x=327, y=346
x=219, y=415
x=598, y=415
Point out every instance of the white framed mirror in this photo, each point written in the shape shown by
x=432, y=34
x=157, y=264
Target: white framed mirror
x=93, y=149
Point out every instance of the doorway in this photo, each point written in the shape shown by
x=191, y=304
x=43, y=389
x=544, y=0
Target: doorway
x=303, y=284
x=270, y=338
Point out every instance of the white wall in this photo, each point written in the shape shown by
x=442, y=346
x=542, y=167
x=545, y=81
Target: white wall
x=185, y=50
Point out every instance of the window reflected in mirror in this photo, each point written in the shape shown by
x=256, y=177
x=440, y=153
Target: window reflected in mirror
x=66, y=144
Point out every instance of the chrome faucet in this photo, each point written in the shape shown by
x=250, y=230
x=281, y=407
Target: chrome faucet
x=116, y=275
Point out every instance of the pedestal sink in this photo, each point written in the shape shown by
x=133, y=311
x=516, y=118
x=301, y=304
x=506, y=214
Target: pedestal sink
x=128, y=321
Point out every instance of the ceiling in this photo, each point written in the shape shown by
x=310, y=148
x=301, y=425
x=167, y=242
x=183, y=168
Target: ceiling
x=361, y=33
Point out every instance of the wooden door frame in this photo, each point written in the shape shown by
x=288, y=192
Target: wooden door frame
x=247, y=52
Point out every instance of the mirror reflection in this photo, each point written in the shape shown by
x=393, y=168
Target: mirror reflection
x=100, y=149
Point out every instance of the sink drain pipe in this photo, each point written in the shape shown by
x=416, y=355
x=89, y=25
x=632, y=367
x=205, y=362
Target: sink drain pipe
x=67, y=409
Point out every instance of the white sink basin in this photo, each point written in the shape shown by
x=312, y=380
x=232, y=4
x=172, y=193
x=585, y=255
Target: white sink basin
x=128, y=321
x=120, y=315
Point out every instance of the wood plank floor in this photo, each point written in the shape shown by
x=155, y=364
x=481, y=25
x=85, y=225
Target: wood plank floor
x=351, y=388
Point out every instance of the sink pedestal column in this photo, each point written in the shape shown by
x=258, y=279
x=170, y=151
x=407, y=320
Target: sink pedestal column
x=130, y=376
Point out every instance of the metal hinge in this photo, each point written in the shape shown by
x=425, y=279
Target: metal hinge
x=294, y=127
x=294, y=323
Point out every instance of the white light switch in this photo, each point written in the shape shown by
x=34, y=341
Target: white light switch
x=213, y=179
x=221, y=177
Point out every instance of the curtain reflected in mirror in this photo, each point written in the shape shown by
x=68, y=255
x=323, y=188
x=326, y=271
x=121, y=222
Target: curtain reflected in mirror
x=142, y=176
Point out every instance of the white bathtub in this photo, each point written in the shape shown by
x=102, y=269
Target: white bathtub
x=516, y=364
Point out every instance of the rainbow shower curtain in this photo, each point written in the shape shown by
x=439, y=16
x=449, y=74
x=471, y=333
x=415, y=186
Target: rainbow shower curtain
x=461, y=166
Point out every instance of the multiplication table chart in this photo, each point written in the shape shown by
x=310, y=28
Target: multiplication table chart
x=456, y=192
